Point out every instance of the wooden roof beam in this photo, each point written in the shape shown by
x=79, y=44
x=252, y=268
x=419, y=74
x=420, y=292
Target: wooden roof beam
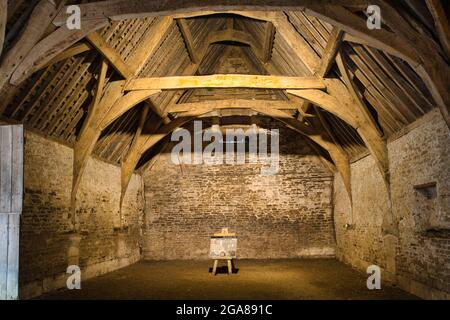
x=235, y=36
x=113, y=103
x=188, y=39
x=233, y=104
x=331, y=11
x=129, y=9
x=345, y=175
x=441, y=23
x=136, y=142
x=327, y=61
x=339, y=158
x=225, y=81
x=110, y=54
x=368, y=129
x=76, y=49
x=91, y=132
x=330, y=52
x=149, y=43
x=97, y=95
x=37, y=25
x=269, y=38
x=298, y=44
x=354, y=25
x=430, y=65
x=52, y=45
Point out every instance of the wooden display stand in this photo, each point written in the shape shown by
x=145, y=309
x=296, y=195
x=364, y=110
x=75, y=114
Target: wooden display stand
x=230, y=260
x=230, y=264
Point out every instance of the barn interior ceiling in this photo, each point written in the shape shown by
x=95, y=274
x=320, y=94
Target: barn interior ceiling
x=137, y=70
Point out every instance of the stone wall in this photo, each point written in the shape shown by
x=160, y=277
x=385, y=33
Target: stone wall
x=416, y=255
x=48, y=244
x=285, y=215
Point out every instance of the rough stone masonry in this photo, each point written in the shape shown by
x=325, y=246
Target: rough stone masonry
x=286, y=215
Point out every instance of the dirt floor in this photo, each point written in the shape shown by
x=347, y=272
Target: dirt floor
x=325, y=279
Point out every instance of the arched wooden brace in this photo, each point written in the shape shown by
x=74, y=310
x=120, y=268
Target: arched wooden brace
x=368, y=130
x=125, y=103
x=39, y=21
x=112, y=105
x=405, y=42
x=48, y=48
x=339, y=102
x=236, y=36
x=147, y=142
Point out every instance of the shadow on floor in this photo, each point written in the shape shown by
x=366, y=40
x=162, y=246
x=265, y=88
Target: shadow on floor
x=224, y=270
x=313, y=279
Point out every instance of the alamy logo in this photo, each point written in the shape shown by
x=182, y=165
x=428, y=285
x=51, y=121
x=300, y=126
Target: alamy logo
x=235, y=147
x=74, y=280
x=74, y=20
x=373, y=17
x=374, y=280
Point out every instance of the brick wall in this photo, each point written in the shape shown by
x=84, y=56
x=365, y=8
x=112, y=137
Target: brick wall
x=418, y=256
x=281, y=216
x=47, y=243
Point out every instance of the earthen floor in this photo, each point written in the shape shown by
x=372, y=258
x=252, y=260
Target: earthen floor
x=255, y=279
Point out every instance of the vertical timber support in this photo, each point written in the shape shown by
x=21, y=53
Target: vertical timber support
x=372, y=138
x=11, y=197
x=86, y=143
x=368, y=129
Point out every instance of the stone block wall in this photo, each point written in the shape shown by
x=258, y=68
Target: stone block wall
x=48, y=244
x=287, y=215
x=417, y=255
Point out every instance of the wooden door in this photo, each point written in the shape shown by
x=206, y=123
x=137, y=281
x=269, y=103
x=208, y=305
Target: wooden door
x=11, y=197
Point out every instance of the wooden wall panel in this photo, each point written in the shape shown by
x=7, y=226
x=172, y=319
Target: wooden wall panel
x=11, y=199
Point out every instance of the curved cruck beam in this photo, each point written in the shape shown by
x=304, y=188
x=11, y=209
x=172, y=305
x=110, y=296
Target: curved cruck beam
x=339, y=102
x=125, y=103
x=36, y=27
x=198, y=109
x=48, y=48
x=112, y=105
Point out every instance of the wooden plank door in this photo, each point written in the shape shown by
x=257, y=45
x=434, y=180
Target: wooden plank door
x=11, y=198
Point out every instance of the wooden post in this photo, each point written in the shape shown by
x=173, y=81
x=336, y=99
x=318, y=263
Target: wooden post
x=11, y=196
x=214, y=271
